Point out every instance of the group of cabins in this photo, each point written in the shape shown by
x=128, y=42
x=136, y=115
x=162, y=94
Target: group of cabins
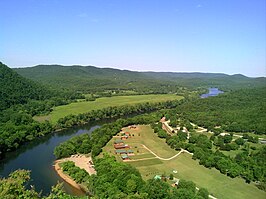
x=123, y=149
x=125, y=136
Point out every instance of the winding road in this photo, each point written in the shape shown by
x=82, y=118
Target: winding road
x=181, y=151
x=156, y=156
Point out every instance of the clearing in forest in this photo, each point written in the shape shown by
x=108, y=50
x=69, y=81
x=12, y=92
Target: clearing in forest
x=219, y=185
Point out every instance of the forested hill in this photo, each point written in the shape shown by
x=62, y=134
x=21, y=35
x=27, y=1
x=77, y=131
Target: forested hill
x=90, y=78
x=15, y=89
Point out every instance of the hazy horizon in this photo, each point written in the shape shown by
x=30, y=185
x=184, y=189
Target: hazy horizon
x=223, y=36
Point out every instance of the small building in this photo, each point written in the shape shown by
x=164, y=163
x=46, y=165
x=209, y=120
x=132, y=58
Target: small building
x=163, y=119
x=133, y=127
x=176, y=183
x=120, y=151
x=130, y=152
x=224, y=134
x=118, y=142
x=124, y=137
x=124, y=146
x=125, y=157
x=157, y=177
x=262, y=141
x=127, y=133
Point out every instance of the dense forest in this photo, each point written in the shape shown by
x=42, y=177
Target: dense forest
x=20, y=100
x=15, y=89
x=92, y=79
x=243, y=110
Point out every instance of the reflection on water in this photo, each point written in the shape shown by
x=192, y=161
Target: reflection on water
x=38, y=157
x=212, y=92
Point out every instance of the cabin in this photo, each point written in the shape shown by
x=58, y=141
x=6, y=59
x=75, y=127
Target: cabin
x=176, y=183
x=157, y=177
x=124, y=137
x=163, y=119
x=120, y=151
x=118, y=142
x=133, y=127
x=130, y=152
x=124, y=146
x=127, y=133
x=125, y=157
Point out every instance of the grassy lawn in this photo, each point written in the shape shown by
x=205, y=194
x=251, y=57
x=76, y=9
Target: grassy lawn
x=218, y=184
x=86, y=106
x=143, y=134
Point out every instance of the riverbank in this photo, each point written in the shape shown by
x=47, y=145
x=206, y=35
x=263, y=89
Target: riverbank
x=66, y=177
x=81, y=161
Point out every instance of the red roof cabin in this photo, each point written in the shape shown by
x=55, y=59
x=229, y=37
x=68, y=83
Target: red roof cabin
x=124, y=146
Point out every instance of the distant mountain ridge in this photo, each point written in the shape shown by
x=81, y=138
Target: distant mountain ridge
x=91, y=78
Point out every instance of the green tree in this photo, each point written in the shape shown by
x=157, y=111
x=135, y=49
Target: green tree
x=203, y=193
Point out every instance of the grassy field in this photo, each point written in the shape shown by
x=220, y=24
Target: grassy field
x=143, y=134
x=218, y=184
x=86, y=106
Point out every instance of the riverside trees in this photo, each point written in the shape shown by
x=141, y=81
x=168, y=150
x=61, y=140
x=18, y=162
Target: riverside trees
x=242, y=110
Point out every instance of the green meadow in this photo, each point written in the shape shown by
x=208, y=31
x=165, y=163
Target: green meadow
x=86, y=106
x=219, y=185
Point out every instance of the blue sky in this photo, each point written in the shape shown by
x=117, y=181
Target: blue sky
x=227, y=36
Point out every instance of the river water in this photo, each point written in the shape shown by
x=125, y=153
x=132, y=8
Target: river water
x=212, y=92
x=38, y=157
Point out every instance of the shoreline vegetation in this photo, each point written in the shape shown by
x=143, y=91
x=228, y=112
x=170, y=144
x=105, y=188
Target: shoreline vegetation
x=100, y=137
x=36, y=129
x=84, y=106
x=81, y=161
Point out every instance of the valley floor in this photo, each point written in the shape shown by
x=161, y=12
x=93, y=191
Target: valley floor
x=104, y=102
x=154, y=157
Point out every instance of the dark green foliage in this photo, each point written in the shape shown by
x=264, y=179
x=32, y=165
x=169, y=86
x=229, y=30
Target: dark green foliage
x=238, y=111
x=19, y=127
x=92, y=79
x=188, y=185
x=162, y=133
x=13, y=187
x=96, y=80
x=203, y=193
x=114, y=179
x=250, y=166
x=15, y=89
x=239, y=141
x=112, y=112
x=157, y=189
x=79, y=175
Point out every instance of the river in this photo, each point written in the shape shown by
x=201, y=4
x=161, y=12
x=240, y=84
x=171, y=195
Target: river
x=38, y=157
